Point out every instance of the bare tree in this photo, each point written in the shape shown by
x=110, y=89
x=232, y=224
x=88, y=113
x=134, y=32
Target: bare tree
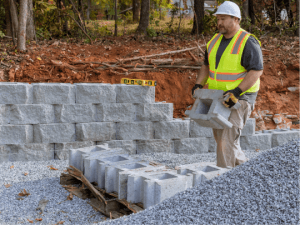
x=246, y=9
x=30, y=29
x=297, y=18
x=144, y=19
x=251, y=12
x=13, y=18
x=198, y=17
x=22, y=25
x=88, y=10
x=7, y=18
x=136, y=6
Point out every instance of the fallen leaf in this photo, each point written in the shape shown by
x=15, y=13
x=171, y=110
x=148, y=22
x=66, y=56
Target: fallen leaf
x=30, y=221
x=12, y=167
x=60, y=222
x=39, y=219
x=20, y=198
x=25, y=174
x=257, y=149
x=38, y=58
x=24, y=193
x=52, y=168
x=70, y=197
x=7, y=185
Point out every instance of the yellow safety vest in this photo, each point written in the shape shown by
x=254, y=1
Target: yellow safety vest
x=230, y=72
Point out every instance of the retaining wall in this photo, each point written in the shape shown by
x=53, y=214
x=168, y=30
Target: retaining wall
x=42, y=121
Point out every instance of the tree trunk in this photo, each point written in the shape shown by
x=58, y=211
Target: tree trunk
x=198, y=17
x=116, y=17
x=30, y=29
x=7, y=18
x=246, y=9
x=287, y=4
x=297, y=18
x=136, y=10
x=14, y=17
x=144, y=19
x=22, y=25
x=88, y=10
x=251, y=12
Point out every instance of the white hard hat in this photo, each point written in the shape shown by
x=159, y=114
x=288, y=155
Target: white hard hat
x=229, y=8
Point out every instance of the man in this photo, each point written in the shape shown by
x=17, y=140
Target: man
x=233, y=63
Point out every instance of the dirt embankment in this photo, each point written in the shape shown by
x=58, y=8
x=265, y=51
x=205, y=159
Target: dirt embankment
x=58, y=61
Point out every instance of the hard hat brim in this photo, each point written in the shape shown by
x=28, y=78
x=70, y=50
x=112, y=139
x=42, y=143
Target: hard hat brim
x=228, y=14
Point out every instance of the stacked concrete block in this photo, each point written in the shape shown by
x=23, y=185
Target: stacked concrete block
x=201, y=171
x=4, y=114
x=174, y=129
x=280, y=138
x=31, y=114
x=129, y=146
x=199, y=131
x=191, y=145
x=31, y=152
x=62, y=149
x=134, y=94
x=154, y=112
x=15, y=93
x=75, y=113
x=257, y=141
x=4, y=153
x=53, y=93
x=249, y=128
x=134, y=131
x=16, y=134
x=96, y=131
x=115, y=112
x=54, y=133
x=154, y=145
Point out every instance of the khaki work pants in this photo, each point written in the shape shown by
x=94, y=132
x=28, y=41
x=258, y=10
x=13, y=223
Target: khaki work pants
x=229, y=151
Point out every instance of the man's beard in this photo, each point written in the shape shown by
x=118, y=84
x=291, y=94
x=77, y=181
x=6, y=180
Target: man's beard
x=224, y=31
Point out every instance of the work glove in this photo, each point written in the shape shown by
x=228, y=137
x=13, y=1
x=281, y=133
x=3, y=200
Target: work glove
x=234, y=96
x=197, y=86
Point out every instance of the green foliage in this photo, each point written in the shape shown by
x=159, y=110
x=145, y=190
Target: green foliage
x=1, y=34
x=151, y=32
x=209, y=22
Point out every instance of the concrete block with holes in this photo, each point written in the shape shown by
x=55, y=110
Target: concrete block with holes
x=95, y=93
x=201, y=171
x=134, y=93
x=208, y=110
x=53, y=93
x=15, y=93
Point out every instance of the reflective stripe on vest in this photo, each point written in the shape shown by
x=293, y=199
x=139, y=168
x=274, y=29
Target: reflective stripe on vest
x=212, y=43
x=227, y=77
x=238, y=43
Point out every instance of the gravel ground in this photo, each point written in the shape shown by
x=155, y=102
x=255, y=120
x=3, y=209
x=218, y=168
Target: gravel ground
x=264, y=190
x=43, y=183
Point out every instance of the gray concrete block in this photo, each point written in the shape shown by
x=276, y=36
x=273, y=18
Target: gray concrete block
x=154, y=145
x=249, y=128
x=175, y=129
x=54, y=133
x=4, y=114
x=31, y=114
x=135, y=94
x=199, y=131
x=62, y=149
x=256, y=141
x=134, y=131
x=280, y=138
x=212, y=145
x=4, y=153
x=128, y=146
x=95, y=93
x=97, y=131
x=31, y=152
x=75, y=113
x=15, y=93
x=154, y=112
x=16, y=134
x=191, y=145
x=115, y=112
x=53, y=93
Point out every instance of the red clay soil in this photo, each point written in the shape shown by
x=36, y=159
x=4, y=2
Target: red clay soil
x=53, y=61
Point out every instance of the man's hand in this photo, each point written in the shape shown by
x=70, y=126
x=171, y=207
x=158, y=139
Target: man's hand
x=197, y=86
x=234, y=96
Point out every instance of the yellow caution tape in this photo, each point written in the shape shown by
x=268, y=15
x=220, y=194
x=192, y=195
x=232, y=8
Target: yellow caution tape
x=138, y=82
